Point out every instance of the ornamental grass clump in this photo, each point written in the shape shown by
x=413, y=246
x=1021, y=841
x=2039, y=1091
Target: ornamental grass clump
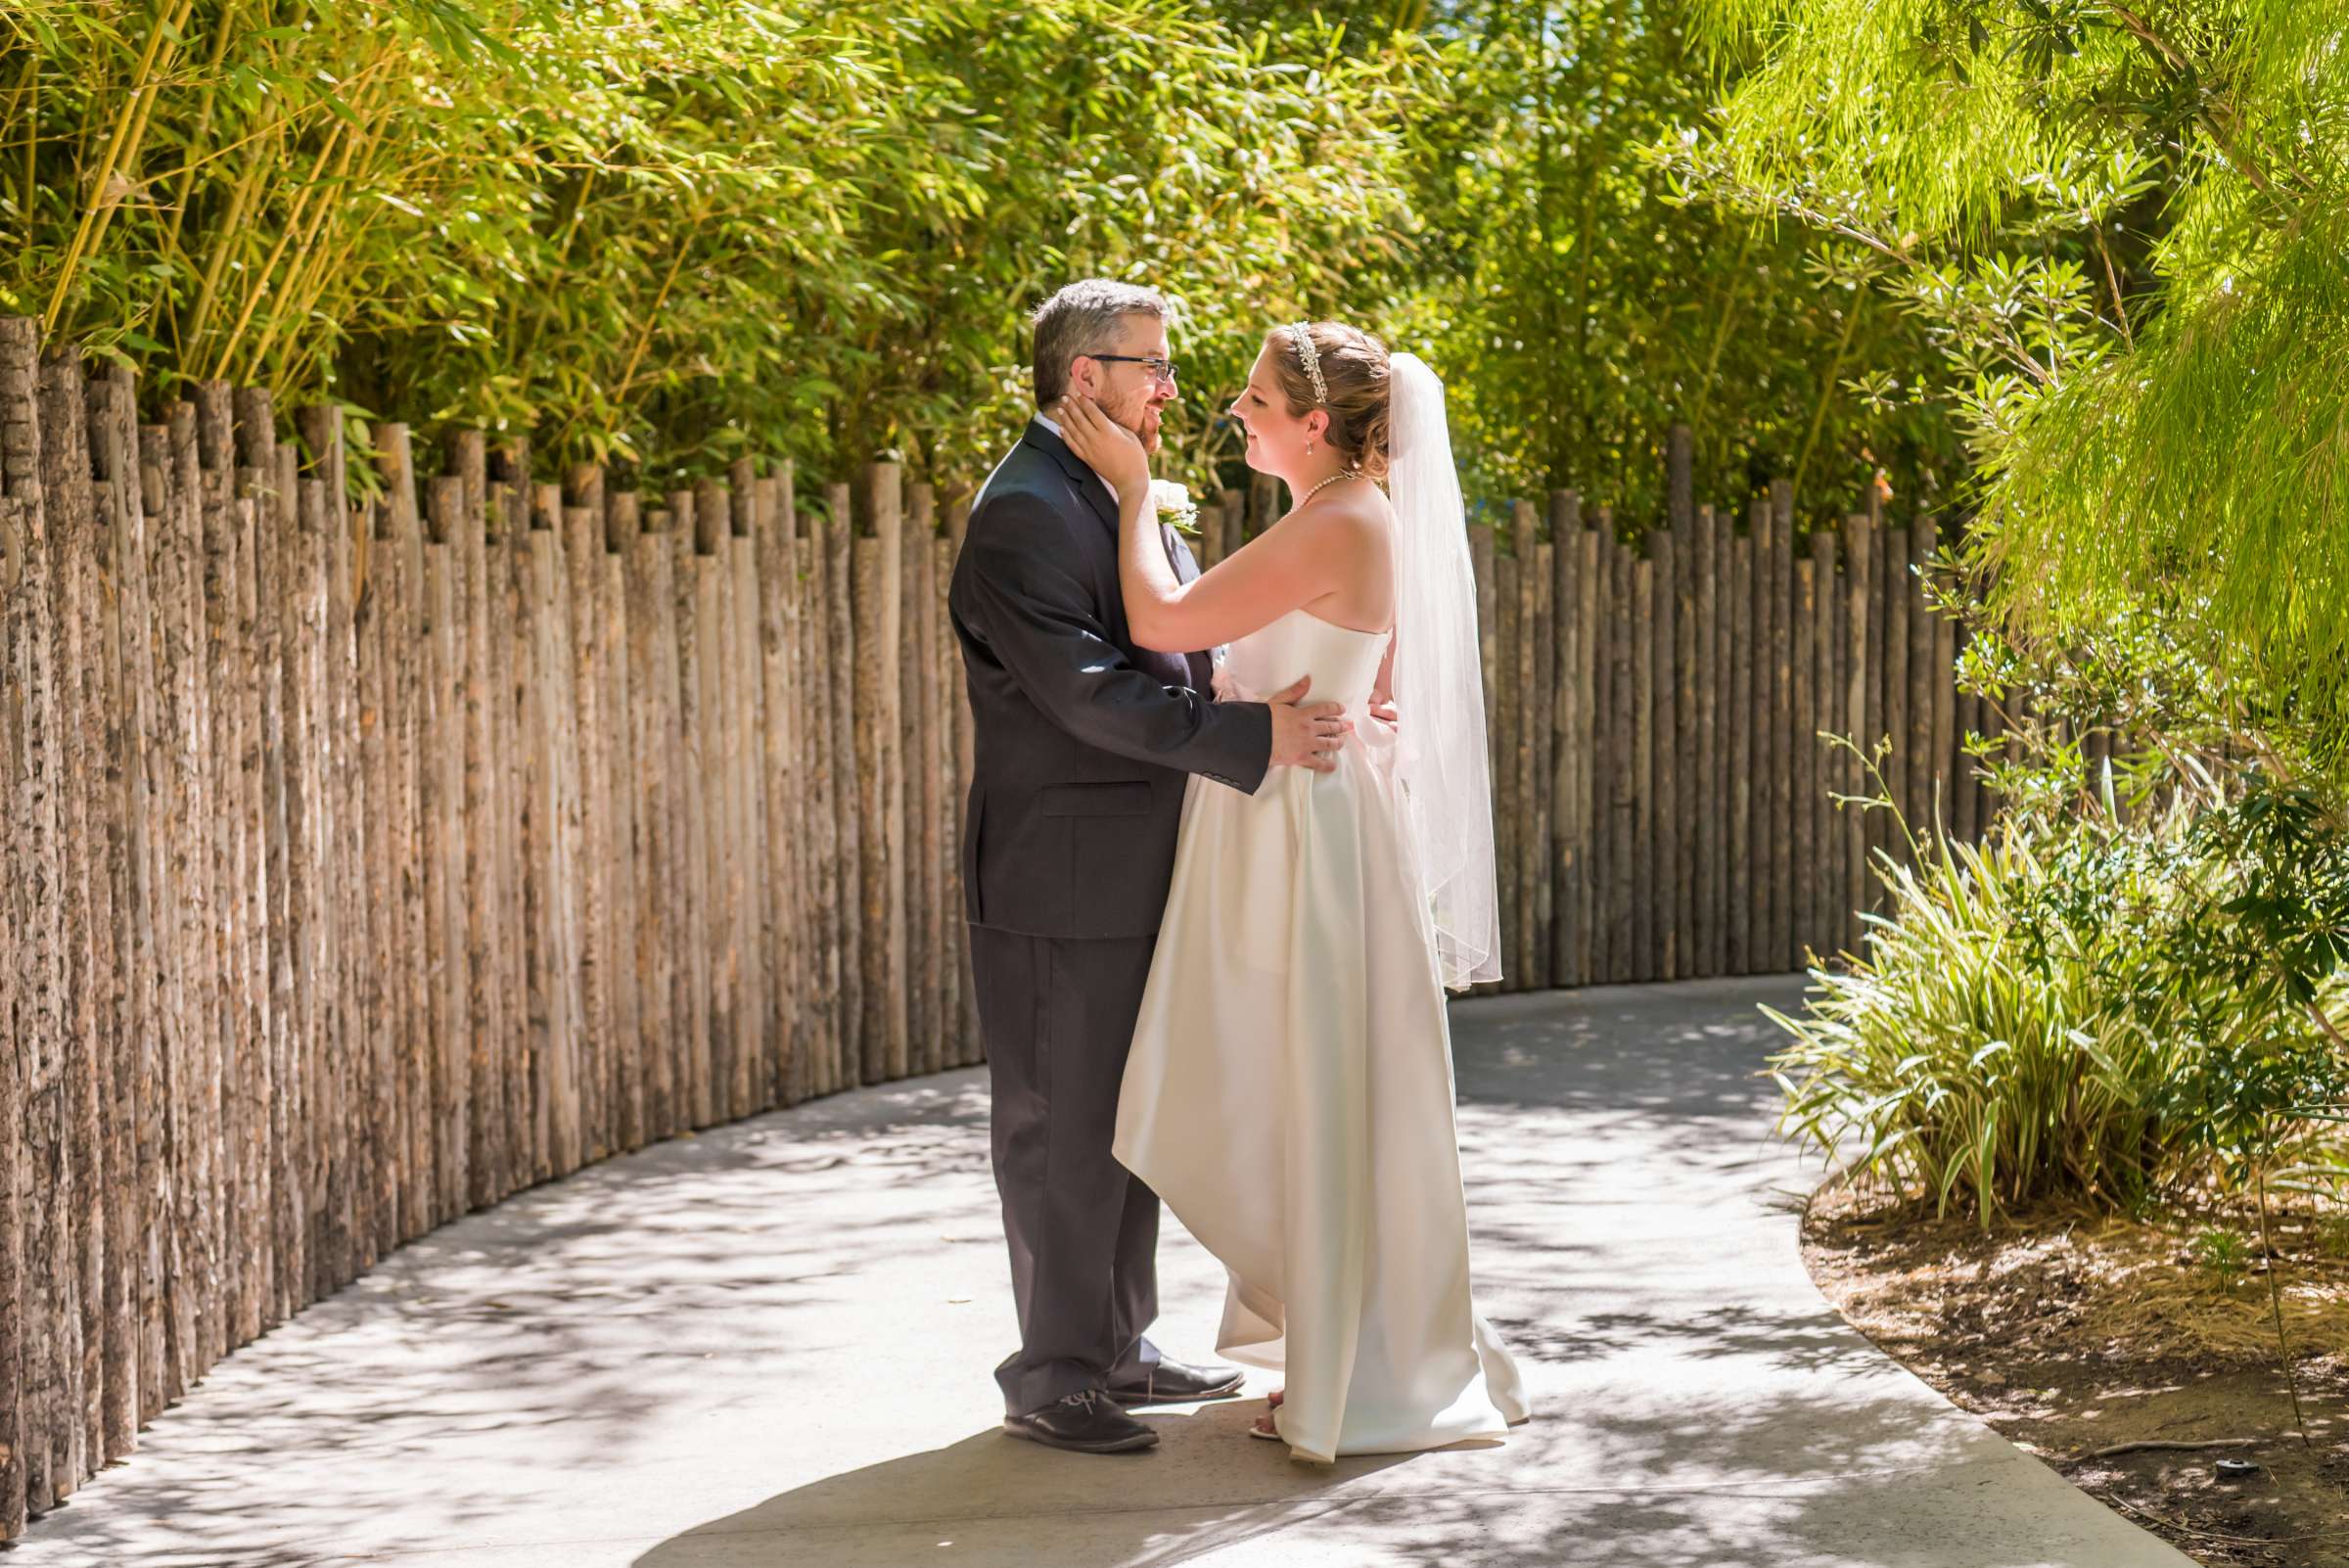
x=1974, y=1059
x=2103, y=1007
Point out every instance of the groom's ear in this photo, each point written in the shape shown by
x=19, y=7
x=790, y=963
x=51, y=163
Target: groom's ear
x=1084, y=374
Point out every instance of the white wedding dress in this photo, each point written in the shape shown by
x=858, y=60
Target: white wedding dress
x=1290, y=1094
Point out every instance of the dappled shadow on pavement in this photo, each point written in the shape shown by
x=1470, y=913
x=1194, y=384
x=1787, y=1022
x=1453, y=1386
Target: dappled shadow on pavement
x=767, y=1347
x=558, y=1325
x=1696, y=1402
x=991, y=1498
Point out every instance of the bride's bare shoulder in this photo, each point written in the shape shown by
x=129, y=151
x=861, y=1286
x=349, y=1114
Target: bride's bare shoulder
x=1352, y=508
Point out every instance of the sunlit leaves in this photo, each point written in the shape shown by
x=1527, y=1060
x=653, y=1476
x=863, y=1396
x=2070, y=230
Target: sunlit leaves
x=672, y=231
x=2123, y=226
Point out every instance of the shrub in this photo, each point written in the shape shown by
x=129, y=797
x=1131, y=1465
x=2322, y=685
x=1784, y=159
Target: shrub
x=2087, y=1009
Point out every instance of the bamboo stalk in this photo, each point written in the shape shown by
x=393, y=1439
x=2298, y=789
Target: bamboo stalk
x=122, y=147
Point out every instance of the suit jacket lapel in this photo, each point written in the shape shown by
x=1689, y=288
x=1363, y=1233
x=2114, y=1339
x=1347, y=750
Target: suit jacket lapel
x=1096, y=492
x=1202, y=664
x=1087, y=484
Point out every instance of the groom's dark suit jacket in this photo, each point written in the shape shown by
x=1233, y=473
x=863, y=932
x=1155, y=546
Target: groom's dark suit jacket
x=1081, y=739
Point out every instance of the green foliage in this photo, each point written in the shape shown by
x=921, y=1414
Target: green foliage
x=1970, y=1060
x=2121, y=993
x=2125, y=224
x=1593, y=308
x=661, y=233
x=2223, y=1256
x=667, y=232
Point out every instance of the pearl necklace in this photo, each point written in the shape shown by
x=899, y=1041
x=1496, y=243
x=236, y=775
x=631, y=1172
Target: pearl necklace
x=1343, y=473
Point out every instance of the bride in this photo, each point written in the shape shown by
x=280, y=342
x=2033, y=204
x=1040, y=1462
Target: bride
x=1295, y=1003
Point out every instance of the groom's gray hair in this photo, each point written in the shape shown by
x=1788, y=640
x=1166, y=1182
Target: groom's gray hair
x=1081, y=318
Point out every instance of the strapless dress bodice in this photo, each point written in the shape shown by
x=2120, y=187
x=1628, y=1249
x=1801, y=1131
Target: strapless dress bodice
x=1342, y=663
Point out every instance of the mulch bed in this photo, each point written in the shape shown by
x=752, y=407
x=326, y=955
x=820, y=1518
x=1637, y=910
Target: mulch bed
x=2071, y=1334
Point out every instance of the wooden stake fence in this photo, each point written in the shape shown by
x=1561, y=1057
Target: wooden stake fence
x=361, y=866
x=1683, y=819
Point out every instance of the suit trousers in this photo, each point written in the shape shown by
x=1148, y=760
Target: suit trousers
x=1057, y=1017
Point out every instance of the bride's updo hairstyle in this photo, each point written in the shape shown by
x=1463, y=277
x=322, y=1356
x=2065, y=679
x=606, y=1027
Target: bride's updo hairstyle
x=1353, y=376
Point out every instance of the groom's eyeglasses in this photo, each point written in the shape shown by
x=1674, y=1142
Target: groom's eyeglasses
x=1160, y=369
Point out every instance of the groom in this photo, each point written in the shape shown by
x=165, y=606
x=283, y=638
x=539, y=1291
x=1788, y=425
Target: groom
x=1084, y=741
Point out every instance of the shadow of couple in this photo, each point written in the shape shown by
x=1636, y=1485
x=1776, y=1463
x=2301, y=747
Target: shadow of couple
x=991, y=1501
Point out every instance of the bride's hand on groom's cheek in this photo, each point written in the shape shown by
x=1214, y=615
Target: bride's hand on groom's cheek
x=1106, y=447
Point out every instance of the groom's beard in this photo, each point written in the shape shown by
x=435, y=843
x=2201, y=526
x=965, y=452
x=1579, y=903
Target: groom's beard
x=1144, y=426
x=1138, y=419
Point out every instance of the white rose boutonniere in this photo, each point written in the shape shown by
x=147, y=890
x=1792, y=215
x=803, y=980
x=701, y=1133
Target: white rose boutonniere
x=1173, y=505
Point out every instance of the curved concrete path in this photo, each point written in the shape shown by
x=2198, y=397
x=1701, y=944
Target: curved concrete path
x=768, y=1346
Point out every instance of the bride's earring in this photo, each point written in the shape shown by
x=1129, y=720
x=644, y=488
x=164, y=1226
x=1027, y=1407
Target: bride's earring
x=1309, y=446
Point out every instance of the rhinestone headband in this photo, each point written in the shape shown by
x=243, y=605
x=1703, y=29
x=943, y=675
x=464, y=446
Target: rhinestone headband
x=1311, y=356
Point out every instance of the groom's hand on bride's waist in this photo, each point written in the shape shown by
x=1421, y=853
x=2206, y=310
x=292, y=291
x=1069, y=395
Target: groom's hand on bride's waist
x=1307, y=737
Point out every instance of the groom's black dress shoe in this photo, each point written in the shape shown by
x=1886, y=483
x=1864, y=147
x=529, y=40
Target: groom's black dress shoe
x=1174, y=1383
x=1084, y=1422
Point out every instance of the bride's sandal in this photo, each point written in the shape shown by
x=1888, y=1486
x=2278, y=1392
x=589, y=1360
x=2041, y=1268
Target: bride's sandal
x=1263, y=1426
